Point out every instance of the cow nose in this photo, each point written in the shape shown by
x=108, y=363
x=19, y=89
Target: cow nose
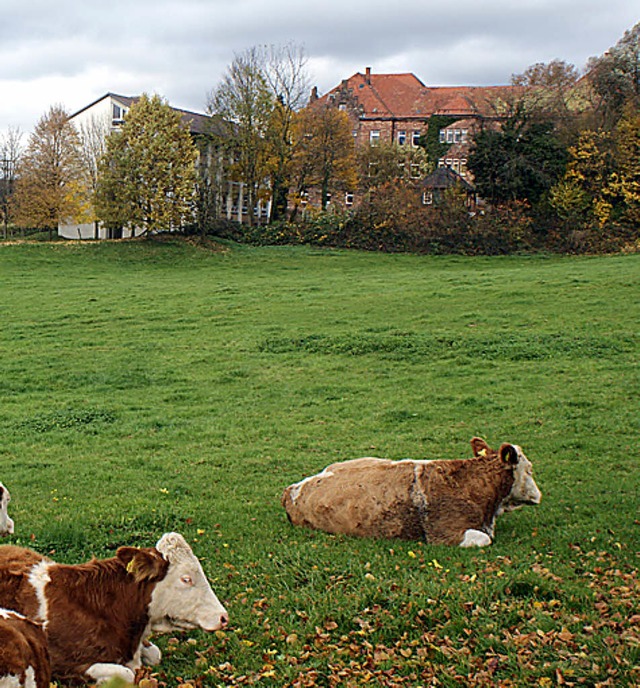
x=224, y=620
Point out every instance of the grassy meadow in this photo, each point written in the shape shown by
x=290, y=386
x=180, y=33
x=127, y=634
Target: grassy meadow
x=156, y=385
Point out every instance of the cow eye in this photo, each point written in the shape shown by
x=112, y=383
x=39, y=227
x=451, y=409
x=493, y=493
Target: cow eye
x=187, y=580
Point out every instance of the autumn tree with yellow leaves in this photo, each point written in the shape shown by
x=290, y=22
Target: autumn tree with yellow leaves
x=50, y=186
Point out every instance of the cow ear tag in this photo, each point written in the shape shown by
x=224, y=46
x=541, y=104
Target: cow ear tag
x=131, y=566
x=482, y=452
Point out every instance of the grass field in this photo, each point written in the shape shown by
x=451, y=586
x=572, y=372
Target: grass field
x=154, y=386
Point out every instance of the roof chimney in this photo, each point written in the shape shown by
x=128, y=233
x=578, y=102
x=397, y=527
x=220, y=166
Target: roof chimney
x=367, y=76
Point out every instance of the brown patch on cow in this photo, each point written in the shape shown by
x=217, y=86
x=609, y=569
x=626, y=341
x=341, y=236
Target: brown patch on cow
x=22, y=645
x=97, y=611
x=15, y=590
x=462, y=494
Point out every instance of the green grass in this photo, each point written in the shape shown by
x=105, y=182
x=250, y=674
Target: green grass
x=153, y=386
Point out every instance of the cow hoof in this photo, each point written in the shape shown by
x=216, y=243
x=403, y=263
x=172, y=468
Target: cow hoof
x=103, y=672
x=475, y=538
x=151, y=654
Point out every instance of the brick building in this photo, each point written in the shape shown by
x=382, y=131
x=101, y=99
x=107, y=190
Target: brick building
x=396, y=108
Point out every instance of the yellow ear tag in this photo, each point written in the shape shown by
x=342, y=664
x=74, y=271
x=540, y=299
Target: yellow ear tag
x=131, y=566
x=482, y=452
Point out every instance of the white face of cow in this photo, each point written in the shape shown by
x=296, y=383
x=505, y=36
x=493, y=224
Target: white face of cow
x=6, y=523
x=524, y=490
x=183, y=599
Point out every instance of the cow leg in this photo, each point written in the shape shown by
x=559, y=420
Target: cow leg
x=475, y=538
x=151, y=654
x=103, y=672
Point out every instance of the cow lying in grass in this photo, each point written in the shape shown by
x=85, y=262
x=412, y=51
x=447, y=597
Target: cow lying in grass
x=6, y=524
x=24, y=658
x=442, y=502
x=97, y=616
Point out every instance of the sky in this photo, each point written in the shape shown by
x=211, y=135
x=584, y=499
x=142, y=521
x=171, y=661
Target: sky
x=72, y=52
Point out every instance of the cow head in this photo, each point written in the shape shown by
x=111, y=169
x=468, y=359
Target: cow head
x=524, y=489
x=183, y=599
x=6, y=523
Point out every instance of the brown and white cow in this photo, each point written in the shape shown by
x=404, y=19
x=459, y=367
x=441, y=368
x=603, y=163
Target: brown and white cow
x=97, y=616
x=6, y=523
x=24, y=657
x=443, y=502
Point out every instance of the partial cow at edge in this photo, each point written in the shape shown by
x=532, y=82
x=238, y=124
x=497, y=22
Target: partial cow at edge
x=6, y=523
x=98, y=616
x=24, y=657
x=443, y=502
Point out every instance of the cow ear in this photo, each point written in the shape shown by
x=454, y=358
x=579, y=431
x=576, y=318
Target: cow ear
x=508, y=454
x=143, y=564
x=480, y=447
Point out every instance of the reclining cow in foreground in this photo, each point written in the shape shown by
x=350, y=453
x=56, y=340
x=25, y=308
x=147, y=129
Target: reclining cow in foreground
x=442, y=502
x=6, y=524
x=24, y=658
x=97, y=616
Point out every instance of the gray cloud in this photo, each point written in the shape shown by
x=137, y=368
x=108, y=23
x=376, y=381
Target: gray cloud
x=70, y=52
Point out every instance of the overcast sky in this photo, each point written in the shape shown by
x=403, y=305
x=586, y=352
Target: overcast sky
x=70, y=52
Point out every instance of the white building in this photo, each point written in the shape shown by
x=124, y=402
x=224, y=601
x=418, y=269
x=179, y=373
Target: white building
x=97, y=120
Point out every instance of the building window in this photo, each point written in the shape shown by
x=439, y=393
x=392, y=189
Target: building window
x=463, y=167
x=415, y=137
x=373, y=169
x=402, y=138
x=415, y=170
x=304, y=198
x=443, y=136
x=374, y=137
x=348, y=198
x=342, y=107
x=118, y=114
x=427, y=198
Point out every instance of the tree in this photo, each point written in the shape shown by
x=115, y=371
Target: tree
x=583, y=194
x=519, y=161
x=245, y=101
x=10, y=152
x=147, y=178
x=285, y=73
x=324, y=153
x=625, y=182
x=615, y=76
x=551, y=92
x=49, y=174
x=387, y=163
x=93, y=145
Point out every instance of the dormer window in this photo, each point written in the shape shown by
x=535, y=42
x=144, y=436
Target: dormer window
x=118, y=113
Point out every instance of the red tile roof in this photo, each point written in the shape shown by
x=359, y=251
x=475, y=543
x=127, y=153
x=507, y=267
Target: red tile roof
x=404, y=96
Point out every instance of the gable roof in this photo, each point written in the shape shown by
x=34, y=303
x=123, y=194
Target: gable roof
x=404, y=96
x=197, y=122
x=444, y=178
